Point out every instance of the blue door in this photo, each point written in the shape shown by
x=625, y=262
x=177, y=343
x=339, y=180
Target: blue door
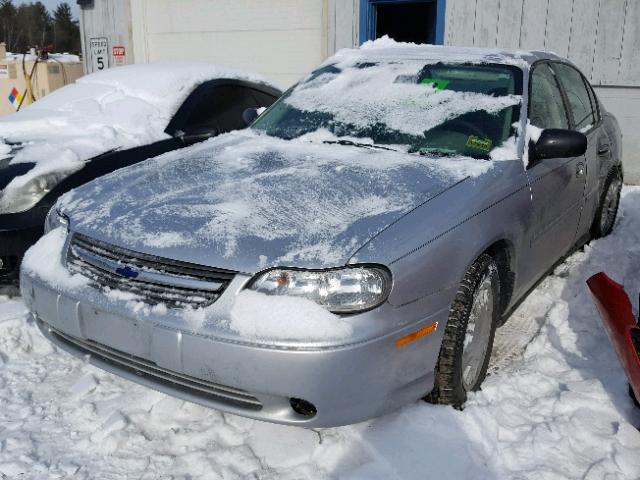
x=418, y=21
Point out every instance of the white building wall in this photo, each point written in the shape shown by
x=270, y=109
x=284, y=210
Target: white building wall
x=282, y=39
x=601, y=36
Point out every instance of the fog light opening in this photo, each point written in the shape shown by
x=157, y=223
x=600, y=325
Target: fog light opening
x=302, y=407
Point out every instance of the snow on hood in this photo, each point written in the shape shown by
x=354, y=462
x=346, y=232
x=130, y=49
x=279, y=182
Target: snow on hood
x=120, y=107
x=245, y=201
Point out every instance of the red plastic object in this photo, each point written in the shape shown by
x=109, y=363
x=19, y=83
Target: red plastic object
x=621, y=326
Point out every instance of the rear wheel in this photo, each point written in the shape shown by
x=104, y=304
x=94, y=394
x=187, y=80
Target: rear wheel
x=468, y=337
x=607, y=211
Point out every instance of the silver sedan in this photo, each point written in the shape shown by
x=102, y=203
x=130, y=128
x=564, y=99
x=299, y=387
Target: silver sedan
x=353, y=251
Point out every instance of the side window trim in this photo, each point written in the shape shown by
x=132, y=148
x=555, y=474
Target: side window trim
x=537, y=64
x=565, y=99
x=595, y=104
x=590, y=93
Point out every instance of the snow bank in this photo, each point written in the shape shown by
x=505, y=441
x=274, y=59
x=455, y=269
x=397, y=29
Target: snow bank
x=255, y=315
x=120, y=107
x=53, y=57
x=44, y=261
x=558, y=409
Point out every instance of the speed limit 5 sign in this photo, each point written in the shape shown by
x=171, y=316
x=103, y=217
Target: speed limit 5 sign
x=99, y=48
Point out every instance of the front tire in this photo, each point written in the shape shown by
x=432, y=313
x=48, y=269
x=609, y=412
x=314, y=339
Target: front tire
x=607, y=210
x=468, y=337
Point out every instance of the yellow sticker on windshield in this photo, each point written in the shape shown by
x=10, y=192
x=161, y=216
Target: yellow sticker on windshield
x=479, y=143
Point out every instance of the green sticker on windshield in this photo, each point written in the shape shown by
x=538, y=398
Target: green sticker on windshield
x=478, y=143
x=436, y=83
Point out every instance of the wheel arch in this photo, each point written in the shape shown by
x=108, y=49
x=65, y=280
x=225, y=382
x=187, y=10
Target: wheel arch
x=503, y=253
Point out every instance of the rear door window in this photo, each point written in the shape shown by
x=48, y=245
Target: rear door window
x=546, y=106
x=220, y=109
x=573, y=82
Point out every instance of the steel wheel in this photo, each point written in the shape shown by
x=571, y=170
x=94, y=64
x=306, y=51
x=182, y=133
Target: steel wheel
x=607, y=211
x=610, y=205
x=476, y=340
x=468, y=336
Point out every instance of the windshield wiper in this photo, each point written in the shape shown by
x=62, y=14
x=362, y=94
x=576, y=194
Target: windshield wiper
x=357, y=144
x=434, y=152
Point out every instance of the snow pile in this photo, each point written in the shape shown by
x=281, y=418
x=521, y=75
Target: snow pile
x=259, y=316
x=117, y=108
x=363, y=97
x=44, y=261
x=557, y=410
x=295, y=200
x=53, y=57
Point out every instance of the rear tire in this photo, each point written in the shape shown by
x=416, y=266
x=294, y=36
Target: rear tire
x=607, y=210
x=468, y=337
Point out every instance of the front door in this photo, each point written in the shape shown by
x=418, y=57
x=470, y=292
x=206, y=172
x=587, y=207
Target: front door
x=557, y=184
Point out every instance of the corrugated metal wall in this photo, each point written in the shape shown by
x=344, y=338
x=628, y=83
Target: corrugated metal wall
x=342, y=24
x=601, y=36
x=110, y=20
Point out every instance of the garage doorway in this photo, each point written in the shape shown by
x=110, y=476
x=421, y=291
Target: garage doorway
x=417, y=21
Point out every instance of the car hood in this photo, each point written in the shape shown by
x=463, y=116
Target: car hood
x=246, y=201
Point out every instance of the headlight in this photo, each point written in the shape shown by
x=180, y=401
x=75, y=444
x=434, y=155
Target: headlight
x=344, y=290
x=54, y=220
x=20, y=198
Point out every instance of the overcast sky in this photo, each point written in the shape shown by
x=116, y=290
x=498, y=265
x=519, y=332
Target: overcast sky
x=52, y=4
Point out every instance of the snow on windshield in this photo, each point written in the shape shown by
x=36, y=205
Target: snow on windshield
x=389, y=94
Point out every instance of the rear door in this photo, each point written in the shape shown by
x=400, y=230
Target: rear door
x=557, y=184
x=585, y=116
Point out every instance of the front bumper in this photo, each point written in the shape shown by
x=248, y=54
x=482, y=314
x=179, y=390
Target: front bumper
x=346, y=383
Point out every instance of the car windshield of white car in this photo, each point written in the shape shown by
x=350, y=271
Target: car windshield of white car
x=440, y=109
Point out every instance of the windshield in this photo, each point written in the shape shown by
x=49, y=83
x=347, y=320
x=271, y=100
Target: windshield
x=456, y=109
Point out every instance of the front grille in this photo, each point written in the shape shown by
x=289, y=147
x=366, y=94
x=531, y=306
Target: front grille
x=155, y=280
x=161, y=376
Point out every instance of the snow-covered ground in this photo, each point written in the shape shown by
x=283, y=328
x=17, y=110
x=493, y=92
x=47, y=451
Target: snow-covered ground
x=555, y=406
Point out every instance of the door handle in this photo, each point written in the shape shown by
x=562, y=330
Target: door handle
x=580, y=170
x=603, y=149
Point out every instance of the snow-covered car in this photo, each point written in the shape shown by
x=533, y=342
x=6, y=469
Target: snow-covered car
x=105, y=121
x=621, y=326
x=351, y=252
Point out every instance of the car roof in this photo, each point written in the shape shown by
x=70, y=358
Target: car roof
x=167, y=76
x=387, y=49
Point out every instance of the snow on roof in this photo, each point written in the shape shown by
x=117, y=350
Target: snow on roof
x=386, y=48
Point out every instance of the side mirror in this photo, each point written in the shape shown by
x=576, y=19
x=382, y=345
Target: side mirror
x=557, y=143
x=196, y=135
x=249, y=115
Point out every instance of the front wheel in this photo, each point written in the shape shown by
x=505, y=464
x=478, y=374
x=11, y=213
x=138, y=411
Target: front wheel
x=468, y=337
x=607, y=210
